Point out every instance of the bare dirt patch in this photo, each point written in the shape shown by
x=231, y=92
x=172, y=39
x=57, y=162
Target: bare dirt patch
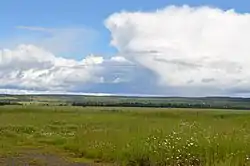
x=37, y=158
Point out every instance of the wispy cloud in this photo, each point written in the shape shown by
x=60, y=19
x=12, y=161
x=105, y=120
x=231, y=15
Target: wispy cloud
x=65, y=40
x=33, y=28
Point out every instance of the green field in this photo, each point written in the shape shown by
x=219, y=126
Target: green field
x=129, y=136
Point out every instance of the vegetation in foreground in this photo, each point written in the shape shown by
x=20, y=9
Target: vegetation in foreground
x=131, y=136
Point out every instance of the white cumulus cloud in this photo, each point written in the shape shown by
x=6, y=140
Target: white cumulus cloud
x=32, y=68
x=196, y=48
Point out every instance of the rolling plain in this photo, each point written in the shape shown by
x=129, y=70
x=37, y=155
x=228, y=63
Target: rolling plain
x=123, y=136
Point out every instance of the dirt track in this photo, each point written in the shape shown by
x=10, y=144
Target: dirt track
x=35, y=158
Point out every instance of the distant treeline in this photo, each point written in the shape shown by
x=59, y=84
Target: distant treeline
x=156, y=105
x=3, y=103
x=126, y=101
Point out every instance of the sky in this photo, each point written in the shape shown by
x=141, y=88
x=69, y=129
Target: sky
x=153, y=47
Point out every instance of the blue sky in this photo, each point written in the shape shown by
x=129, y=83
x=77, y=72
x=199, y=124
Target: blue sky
x=87, y=14
x=50, y=43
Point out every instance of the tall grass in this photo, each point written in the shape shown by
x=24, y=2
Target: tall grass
x=132, y=136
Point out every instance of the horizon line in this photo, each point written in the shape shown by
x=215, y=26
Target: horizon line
x=119, y=95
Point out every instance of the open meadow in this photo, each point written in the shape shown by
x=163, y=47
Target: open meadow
x=128, y=136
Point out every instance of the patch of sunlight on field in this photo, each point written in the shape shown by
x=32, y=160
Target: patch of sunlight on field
x=131, y=136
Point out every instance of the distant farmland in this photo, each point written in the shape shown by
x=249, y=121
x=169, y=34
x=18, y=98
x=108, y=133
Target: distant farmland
x=114, y=101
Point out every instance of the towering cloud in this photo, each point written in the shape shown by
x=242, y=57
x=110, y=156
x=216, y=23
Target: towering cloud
x=188, y=48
